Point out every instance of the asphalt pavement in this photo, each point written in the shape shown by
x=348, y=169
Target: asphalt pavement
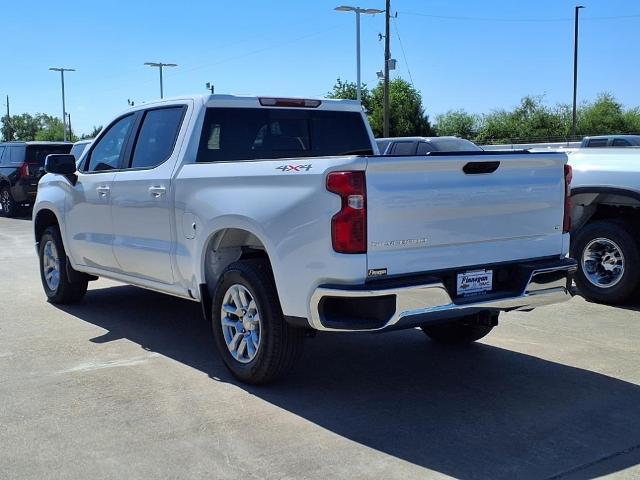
x=128, y=384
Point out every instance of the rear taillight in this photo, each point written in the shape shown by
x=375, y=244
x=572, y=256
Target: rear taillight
x=349, y=225
x=568, y=176
x=24, y=170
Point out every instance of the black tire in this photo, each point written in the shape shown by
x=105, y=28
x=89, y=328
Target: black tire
x=280, y=343
x=460, y=332
x=66, y=292
x=624, y=237
x=7, y=202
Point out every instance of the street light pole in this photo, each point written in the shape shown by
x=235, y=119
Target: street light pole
x=160, y=66
x=359, y=87
x=64, y=109
x=387, y=58
x=358, y=11
x=575, y=70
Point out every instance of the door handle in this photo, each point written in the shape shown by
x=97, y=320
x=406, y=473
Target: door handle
x=103, y=190
x=157, y=191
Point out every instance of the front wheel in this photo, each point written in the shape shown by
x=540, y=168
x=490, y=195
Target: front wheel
x=255, y=342
x=463, y=331
x=53, y=270
x=608, y=261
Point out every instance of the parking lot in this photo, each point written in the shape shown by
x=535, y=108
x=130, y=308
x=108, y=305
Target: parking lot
x=128, y=385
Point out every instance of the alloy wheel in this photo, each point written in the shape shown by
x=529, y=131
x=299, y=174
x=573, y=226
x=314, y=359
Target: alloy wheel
x=241, y=324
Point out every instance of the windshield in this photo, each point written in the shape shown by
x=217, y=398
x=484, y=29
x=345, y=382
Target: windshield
x=77, y=150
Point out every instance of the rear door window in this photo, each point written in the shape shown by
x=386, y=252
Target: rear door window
x=2, y=150
x=17, y=154
x=36, y=154
x=157, y=137
x=621, y=142
x=231, y=134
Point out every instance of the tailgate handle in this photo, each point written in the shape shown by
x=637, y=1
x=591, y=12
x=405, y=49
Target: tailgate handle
x=476, y=168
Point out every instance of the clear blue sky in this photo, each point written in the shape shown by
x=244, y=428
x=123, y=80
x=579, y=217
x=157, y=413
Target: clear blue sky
x=298, y=48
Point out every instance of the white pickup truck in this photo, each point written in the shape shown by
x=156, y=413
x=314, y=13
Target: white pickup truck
x=280, y=218
x=606, y=222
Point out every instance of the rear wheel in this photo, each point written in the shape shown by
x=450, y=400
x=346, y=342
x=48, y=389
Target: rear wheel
x=608, y=261
x=255, y=342
x=53, y=270
x=461, y=332
x=8, y=206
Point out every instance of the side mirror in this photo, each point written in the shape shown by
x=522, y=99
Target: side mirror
x=64, y=164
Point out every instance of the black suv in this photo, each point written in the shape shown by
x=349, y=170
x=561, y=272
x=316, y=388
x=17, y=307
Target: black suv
x=21, y=166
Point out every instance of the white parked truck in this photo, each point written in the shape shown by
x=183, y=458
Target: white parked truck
x=606, y=222
x=280, y=217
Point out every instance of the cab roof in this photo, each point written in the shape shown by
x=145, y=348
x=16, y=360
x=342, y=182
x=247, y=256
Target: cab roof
x=34, y=142
x=261, y=101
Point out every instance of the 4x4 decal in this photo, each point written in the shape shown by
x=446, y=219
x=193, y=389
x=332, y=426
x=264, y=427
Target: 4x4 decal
x=294, y=168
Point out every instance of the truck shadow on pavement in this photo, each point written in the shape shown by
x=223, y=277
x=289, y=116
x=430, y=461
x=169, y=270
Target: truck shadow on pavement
x=475, y=412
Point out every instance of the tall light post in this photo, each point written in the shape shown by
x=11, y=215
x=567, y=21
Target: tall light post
x=160, y=66
x=575, y=69
x=64, y=109
x=358, y=11
x=387, y=60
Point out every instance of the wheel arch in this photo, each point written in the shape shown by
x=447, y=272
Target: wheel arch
x=222, y=247
x=590, y=203
x=44, y=219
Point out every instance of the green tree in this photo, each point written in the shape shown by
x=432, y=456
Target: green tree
x=7, y=131
x=20, y=127
x=530, y=120
x=458, y=123
x=406, y=116
x=631, y=120
x=604, y=116
x=51, y=128
x=93, y=133
x=349, y=91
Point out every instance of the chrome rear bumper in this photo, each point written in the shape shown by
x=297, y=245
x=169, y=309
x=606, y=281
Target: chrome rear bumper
x=406, y=306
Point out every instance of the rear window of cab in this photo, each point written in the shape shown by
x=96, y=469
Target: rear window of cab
x=236, y=134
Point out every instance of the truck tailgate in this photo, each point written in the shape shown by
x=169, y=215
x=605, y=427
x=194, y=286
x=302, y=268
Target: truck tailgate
x=442, y=212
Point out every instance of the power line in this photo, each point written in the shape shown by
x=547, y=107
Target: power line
x=231, y=58
x=486, y=19
x=517, y=20
x=263, y=49
x=395, y=25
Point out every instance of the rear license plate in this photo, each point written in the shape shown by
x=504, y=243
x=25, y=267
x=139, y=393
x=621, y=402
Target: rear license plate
x=475, y=282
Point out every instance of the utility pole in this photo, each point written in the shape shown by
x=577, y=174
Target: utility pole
x=64, y=110
x=8, y=130
x=575, y=71
x=387, y=58
x=69, y=124
x=160, y=66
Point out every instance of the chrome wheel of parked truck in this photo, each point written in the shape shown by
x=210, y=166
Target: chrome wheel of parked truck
x=603, y=262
